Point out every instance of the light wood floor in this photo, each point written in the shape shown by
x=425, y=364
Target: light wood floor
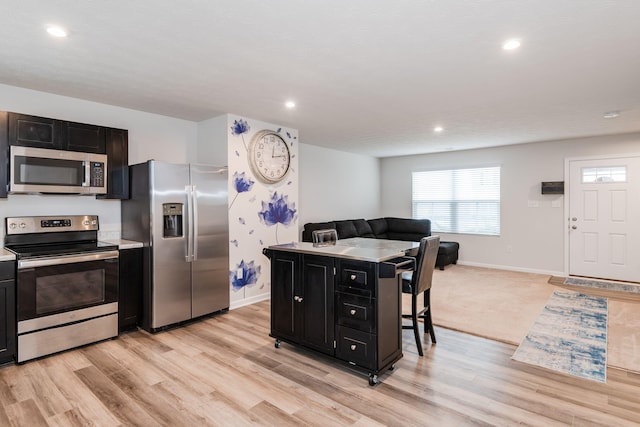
x=225, y=371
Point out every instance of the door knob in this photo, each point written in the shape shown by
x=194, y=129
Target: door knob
x=574, y=227
x=352, y=312
x=353, y=277
x=353, y=347
x=574, y=219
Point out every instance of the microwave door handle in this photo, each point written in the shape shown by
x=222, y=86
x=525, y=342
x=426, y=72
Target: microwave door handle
x=87, y=173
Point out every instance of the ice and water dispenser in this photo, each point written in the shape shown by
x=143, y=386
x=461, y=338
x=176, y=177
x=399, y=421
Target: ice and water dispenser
x=172, y=219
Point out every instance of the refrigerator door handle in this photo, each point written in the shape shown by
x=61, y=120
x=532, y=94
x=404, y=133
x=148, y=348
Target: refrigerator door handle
x=194, y=234
x=190, y=223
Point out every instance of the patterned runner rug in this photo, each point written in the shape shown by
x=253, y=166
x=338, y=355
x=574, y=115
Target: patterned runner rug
x=569, y=336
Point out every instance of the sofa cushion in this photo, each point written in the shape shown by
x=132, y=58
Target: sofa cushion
x=408, y=229
x=309, y=228
x=379, y=227
x=346, y=229
x=363, y=228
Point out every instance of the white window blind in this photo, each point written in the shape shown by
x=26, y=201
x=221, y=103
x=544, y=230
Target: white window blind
x=465, y=201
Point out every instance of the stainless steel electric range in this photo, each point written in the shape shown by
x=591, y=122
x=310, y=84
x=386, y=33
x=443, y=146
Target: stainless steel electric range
x=66, y=283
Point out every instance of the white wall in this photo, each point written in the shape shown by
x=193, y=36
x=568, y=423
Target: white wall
x=212, y=141
x=151, y=136
x=532, y=238
x=335, y=185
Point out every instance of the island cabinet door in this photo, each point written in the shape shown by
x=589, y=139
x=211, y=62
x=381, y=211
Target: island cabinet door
x=285, y=293
x=317, y=303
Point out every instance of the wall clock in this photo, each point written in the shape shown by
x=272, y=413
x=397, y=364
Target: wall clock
x=269, y=157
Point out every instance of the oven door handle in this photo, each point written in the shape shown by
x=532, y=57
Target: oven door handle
x=66, y=259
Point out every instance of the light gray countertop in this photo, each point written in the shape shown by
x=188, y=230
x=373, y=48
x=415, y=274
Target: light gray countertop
x=357, y=248
x=124, y=244
x=5, y=255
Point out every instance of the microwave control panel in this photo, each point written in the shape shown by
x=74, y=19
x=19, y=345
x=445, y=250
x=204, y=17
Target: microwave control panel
x=97, y=174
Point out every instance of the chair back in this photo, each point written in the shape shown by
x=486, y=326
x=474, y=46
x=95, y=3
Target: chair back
x=426, y=262
x=324, y=237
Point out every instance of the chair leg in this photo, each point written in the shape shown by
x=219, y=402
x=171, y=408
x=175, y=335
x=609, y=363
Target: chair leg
x=414, y=319
x=428, y=323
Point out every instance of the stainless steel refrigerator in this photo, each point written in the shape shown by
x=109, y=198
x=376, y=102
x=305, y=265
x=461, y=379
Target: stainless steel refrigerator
x=179, y=212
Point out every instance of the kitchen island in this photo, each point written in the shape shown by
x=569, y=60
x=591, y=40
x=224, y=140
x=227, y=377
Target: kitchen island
x=342, y=300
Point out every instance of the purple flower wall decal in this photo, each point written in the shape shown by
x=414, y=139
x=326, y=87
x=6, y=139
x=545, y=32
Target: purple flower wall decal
x=240, y=127
x=245, y=274
x=277, y=211
x=242, y=184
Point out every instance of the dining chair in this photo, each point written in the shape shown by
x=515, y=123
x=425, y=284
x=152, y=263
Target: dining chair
x=324, y=237
x=418, y=282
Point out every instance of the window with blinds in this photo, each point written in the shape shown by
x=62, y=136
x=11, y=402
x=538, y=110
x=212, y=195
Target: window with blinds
x=465, y=201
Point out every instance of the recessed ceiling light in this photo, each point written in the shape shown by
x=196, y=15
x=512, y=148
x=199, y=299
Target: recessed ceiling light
x=511, y=44
x=290, y=104
x=57, y=31
x=611, y=114
x=438, y=129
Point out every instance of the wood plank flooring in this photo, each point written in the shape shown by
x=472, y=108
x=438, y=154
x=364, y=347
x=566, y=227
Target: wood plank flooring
x=225, y=371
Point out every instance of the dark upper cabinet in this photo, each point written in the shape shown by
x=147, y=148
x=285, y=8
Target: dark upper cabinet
x=83, y=137
x=117, y=145
x=31, y=131
x=42, y=132
x=4, y=153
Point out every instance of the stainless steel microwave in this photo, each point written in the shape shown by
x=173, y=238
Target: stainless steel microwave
x=39, y=170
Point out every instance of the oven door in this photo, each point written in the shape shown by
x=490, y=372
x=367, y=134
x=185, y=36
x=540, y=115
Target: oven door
x=48, y=286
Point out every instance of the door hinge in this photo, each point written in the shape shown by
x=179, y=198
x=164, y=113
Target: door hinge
x=335, y=345
x=334, y=271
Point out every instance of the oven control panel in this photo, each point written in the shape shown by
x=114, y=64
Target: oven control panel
x=49, y=224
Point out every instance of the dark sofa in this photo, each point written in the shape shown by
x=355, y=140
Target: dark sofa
x=386, y=228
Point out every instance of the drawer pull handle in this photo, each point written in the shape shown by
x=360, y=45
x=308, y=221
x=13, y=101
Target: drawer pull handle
x=352, y=312
x=353, y=347
x=353, y=277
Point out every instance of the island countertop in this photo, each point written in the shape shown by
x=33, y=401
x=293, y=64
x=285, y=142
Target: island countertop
x=356, y=248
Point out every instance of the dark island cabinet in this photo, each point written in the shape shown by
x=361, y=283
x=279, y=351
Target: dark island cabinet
x=130, y=289
x=347, y=309
x=368, y=315
x=302, y=300
x=7, y=312
x=42, y=132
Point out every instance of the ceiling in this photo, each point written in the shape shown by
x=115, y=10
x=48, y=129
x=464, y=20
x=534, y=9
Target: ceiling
x=368, y=76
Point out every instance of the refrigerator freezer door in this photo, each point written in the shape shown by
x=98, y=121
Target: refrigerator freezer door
x=210, y=268
x=171, y=290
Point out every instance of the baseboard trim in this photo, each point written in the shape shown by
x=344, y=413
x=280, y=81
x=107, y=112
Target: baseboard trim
x=248, y=301
x=511, y=268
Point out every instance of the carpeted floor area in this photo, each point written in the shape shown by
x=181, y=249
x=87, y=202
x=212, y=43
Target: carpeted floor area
x=503, y=305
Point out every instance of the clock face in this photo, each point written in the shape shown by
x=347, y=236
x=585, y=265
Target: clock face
x=269, y=156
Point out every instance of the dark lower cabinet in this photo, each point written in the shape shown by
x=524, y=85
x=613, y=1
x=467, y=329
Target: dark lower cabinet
x=7, y=312
x=302, y=300
x=130, y=289
x=350, y=310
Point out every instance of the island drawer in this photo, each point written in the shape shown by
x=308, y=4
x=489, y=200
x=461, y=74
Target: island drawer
x=355, y=312
x=356, y=347
x=357, y=276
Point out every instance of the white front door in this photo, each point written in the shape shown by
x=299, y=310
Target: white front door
x=604, y=218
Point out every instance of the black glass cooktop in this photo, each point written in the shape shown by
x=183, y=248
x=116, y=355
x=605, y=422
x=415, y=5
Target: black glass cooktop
x=40, y=250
